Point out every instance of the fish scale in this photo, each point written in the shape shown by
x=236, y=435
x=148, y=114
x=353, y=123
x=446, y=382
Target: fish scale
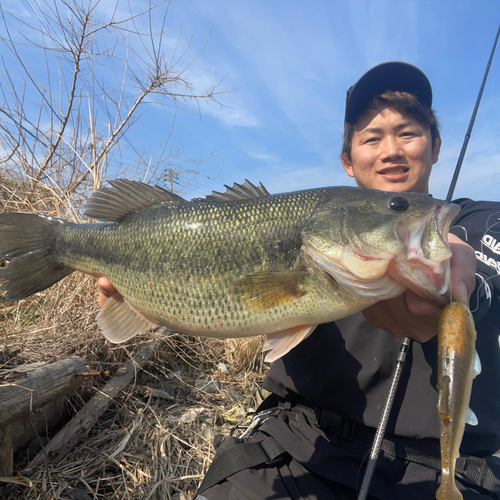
x=239, y=263
x=200, y=249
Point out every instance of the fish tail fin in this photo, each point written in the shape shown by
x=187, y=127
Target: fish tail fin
x=27, y=244
x=448, y=491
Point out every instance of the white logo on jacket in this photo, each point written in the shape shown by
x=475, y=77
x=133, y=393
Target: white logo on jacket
x=491, y=243
x=489, y=261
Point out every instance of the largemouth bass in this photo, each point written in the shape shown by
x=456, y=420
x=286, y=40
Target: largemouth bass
x=458, y=364
x=239, y=263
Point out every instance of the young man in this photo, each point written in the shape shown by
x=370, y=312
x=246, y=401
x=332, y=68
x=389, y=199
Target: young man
x=328, y=392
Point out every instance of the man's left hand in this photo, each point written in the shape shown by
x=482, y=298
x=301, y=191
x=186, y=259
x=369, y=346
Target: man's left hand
x=410, y=315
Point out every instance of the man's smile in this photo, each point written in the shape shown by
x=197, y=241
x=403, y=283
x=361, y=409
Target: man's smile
x=399, y=170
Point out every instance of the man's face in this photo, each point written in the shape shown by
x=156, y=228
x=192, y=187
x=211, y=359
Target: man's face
x=391, y=152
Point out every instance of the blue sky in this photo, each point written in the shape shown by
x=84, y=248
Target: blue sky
x=292, y=62
x=288, y=65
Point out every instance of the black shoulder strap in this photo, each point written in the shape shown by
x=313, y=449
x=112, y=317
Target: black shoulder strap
x=238, y=456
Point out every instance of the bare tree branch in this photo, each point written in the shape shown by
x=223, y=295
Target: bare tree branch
x=65, y=127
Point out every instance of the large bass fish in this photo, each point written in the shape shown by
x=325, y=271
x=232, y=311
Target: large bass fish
x=238, y=263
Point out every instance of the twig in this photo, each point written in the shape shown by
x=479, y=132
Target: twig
x=81, y=424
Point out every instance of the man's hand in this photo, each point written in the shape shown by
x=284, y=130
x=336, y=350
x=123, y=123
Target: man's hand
x=106, y=289
x=410, y=315
x=463, y=269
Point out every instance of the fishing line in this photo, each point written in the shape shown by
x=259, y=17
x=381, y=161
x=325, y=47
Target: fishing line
x=408, y=342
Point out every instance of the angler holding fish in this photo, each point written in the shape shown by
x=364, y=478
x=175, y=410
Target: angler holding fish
x=328, y=391
x=246, y=262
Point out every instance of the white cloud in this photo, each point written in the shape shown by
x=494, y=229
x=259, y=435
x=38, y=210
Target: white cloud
x=264, y=156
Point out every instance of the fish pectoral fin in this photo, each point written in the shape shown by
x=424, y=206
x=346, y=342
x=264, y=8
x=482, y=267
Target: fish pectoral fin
x=281, y=342
x=471, y=418
x=269, y=290
x=477, y=365
x=119, y=321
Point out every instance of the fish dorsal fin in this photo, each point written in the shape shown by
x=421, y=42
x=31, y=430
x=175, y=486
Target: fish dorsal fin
x=239, y=192
x=119, y=321
x=110, y=204
x=279, y=343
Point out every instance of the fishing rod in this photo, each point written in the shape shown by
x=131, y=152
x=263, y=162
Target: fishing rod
x=408, y=342
x=471, y=124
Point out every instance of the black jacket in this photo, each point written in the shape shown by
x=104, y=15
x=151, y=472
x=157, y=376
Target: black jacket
x=346, y=366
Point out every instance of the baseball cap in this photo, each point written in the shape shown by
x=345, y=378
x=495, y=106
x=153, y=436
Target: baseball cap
x=394, y=75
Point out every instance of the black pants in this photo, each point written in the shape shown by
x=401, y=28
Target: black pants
x=316, y=476
x=285, y=478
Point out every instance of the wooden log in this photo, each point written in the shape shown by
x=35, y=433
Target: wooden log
x=21, y=398
x=42, y=385
x=81, y=424
x=6, y=452
x=46, y=419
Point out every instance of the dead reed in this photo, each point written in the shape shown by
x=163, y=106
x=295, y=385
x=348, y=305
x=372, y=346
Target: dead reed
x=61, y=133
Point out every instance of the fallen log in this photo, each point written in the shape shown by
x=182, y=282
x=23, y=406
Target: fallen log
x=44, y=384
x=81, y=424
x=19, y=400
x=6, y=452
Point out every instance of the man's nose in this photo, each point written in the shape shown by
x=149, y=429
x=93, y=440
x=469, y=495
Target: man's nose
x=391, y=148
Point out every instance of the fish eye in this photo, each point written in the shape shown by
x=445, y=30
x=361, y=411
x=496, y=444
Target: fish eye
x=398, y=204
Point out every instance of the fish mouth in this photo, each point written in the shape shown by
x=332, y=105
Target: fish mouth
x=425, y=268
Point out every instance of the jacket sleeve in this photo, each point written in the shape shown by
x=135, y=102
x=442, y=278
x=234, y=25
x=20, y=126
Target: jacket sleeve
x=478, y=223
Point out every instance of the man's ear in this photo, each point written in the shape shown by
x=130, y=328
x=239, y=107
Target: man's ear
x=347, y=164
x=435, y=150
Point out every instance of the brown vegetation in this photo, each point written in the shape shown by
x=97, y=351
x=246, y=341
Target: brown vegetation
x=158, y=436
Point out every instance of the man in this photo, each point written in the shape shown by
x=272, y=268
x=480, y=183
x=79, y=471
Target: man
x=328, y=392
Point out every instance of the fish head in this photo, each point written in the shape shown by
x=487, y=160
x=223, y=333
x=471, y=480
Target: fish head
x=377, y=244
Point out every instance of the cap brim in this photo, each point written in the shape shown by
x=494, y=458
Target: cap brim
x=396, y=76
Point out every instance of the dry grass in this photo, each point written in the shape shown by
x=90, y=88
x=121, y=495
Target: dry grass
x=145, y=447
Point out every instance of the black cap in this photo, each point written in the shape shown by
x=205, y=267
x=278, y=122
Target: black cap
x=397, y=76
